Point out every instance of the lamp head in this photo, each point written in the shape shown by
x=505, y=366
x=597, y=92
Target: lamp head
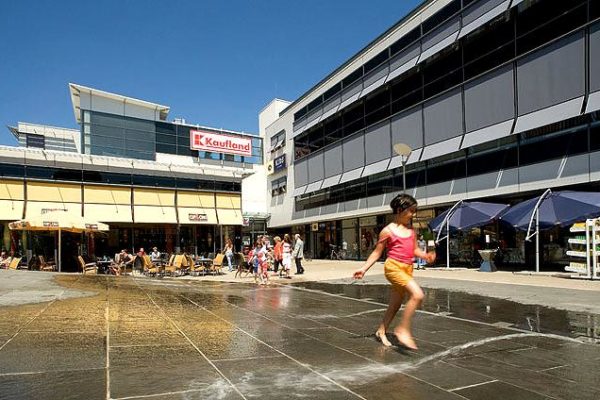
x=402, y=149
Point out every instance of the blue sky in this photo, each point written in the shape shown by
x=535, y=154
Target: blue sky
x=215, y=63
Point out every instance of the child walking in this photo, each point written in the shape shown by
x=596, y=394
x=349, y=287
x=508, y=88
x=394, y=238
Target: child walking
x=399, y=239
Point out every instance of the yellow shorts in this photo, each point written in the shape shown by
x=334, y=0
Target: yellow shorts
x=397, y=273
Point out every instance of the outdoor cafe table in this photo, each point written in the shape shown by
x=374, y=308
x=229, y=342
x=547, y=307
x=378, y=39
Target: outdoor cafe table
x=203, y=261
x=103, y=265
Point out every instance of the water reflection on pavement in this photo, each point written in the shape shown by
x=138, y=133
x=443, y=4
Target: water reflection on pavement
x=168, y=339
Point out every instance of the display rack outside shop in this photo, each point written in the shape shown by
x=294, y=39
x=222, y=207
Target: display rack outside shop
x=585, y=249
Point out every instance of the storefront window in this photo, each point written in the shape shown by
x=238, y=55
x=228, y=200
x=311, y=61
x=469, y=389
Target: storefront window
x=350, y=242
x=368, y=235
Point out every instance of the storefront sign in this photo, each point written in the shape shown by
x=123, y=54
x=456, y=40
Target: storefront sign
x=279, y=163
x=314, y=227
x=49, y=210
x=206, y=141
x=368, y=221
x=198, y=217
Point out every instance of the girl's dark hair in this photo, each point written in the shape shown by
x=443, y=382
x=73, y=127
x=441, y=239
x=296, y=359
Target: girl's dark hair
x=402, y=202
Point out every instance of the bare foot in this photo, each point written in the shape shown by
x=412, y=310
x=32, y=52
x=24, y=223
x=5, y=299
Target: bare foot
x=382, y=338
x=406, y=340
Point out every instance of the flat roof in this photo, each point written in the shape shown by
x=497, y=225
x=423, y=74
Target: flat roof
x=75, y=89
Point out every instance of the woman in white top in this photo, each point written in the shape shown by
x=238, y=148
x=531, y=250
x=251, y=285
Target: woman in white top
x=287, y=255
x=229, y=253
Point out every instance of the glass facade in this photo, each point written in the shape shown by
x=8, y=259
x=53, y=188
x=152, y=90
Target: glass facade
x=510, y=37
x=85, y=176
x=119, y=136
x=568, y=138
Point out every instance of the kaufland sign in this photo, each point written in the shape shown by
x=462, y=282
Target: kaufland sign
x=206, y=141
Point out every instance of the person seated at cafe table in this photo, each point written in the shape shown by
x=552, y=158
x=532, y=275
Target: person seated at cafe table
x=155, y=255
x=5, y=259
x=122, y=260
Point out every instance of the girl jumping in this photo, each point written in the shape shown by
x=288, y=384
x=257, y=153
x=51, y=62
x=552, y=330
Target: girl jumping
x=399, y=239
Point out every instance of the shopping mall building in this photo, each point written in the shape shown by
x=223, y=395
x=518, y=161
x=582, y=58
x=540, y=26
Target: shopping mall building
x=497, y=99
x=172, y=185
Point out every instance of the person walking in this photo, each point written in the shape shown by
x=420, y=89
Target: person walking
x=422, y=245
x=229, y=253
x=399, y=239
x=286, y=260
x=298, y=254
x=277, y=255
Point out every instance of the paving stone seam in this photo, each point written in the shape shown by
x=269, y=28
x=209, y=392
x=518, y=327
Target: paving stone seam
x=53, y=371
x=473, y=385
x=107, y=319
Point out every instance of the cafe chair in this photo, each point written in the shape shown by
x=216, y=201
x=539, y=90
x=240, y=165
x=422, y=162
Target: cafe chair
x=46, y=266
x=150, y=268
x=198, y=269
x=14, y=263
x=217, y=264
x=87, y=268
x=187, y=264
x=175, y=265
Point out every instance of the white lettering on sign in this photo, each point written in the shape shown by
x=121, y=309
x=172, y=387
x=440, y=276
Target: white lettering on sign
x=197, y=217
x=206, y=141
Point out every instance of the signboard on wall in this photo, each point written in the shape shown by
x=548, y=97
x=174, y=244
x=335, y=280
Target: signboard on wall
x=279, y=163
x=216, y=143
x=198, y=217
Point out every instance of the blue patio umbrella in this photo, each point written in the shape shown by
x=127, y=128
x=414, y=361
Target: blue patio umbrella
x=552, y=209
x=464, y=215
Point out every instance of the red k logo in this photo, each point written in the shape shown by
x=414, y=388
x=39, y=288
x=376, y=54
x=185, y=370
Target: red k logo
x=198, y=139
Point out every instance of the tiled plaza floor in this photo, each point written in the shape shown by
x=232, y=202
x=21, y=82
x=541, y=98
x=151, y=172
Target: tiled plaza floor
x=141, y=338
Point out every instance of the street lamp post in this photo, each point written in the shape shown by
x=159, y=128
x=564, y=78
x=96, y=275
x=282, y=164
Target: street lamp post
x=403, y=150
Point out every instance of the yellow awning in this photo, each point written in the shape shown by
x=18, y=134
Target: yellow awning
x=229, y=201
x=11, y=210
x=58, y=220
x=57, y=192
x=153, y=197
x=12, y=190
x=154, y=215
x=195, y=199
x=106, y=195
x=195, y=215
x=108, y=212
x=230, y=217
x=36, y=208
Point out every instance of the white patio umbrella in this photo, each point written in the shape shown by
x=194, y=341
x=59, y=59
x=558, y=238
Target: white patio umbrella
x=58, y=221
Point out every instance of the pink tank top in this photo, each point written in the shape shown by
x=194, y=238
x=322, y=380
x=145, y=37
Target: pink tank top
x=401, y=248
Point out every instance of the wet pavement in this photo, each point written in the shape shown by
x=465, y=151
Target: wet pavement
x=131, y=338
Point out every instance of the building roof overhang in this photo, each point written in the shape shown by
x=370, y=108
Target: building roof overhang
x=76, y=89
